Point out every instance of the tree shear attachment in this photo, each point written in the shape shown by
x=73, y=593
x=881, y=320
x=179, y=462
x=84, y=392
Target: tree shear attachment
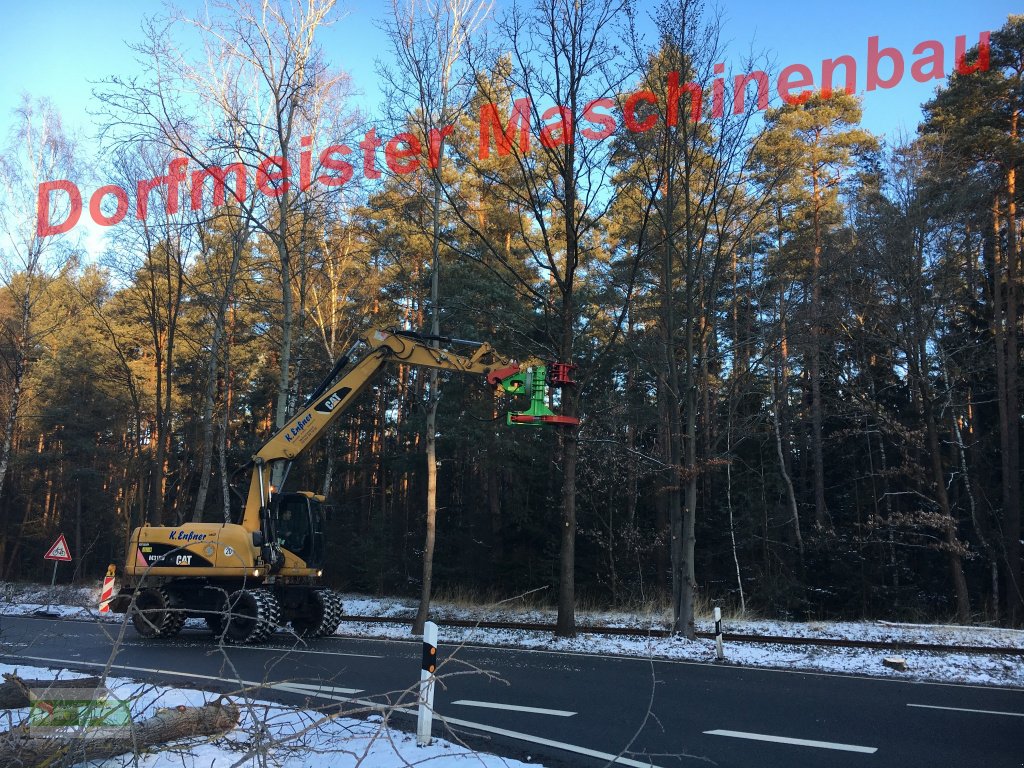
x=537, y=381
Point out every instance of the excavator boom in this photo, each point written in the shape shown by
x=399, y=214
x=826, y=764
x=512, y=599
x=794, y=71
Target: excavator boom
x=332, y=399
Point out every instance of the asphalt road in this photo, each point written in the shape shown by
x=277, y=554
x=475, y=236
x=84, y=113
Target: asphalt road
x=582, y=710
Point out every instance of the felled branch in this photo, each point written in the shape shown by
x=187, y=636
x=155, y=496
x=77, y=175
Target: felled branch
x=25, y=748
x=14, y=690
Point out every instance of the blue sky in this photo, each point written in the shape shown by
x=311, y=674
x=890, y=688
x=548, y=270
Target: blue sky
x=54, y=48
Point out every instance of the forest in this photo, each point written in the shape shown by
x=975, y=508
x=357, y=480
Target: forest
x=797, y=344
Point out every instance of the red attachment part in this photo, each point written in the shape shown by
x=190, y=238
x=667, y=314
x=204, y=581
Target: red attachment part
x=495, y=377
x=559, y=374
x=565, y=420
x=522, y=418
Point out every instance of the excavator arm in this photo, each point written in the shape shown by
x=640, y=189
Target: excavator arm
x=334, y=397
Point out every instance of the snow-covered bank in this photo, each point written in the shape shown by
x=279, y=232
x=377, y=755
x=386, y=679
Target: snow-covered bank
x=975, y=668
x=274, y=735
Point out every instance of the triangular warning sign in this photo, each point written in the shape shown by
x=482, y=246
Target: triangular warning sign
x=59, y=550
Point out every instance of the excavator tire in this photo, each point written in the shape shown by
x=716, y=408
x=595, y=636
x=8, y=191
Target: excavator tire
x=215, y=619
x=252, y=615
x=155, y=615
x=215, y=623
x=324, y=616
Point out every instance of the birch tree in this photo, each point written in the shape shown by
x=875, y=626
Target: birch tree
x=37, y=150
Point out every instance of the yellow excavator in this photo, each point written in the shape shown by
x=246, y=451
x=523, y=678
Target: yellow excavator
x=250, y=577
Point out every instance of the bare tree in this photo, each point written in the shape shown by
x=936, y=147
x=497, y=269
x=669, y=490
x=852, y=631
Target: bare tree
x=37, y=151
x=151, y=253
x=431, y=88
x=698, y=174
x=256, y=100
x=556, y=58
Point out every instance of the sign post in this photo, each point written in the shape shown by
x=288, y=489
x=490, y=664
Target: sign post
x=59, y=552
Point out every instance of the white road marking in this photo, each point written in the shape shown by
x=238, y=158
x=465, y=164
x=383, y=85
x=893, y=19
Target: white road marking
x=373, y=705
x=962, y=709
x=301, y=650
x=287, y=687
x=260, y=648
x=795, y=742
x=514, y=707
x=607, y=757
x=165, y=672
x=310, y=688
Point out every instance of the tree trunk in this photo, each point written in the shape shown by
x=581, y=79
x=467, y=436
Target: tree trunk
x=566, y=626
x=14, y=691
x=566, y=623
x=820, y=512
x=287, y=309
x=956, y=569
x=688, y=581
x=156, y=473
x=19, y=747
x=790, y=494
x=435, y=395
x=1011, y=482
x=237, y=244
x=732, y=524
x=12, y=412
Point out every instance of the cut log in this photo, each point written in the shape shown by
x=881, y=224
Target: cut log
x=14, y=690
x=895, y=662
x=25, y=748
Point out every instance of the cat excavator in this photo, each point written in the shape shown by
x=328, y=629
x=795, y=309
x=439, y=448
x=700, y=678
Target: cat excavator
x=249, y=577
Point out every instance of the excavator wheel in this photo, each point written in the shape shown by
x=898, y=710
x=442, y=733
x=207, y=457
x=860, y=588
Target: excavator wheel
x=215, y=623
x=215, y=619
x=155, y=615
x=252, y=615
x=323, y=617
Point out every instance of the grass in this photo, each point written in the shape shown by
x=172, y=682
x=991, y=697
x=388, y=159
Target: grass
x=589, y=610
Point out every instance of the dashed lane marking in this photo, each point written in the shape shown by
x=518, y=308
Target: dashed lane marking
x=287, y=649
x=964, y=709
x=303, y=688
x=165, y=672
x=314, y=689
x=794, y=742
x=529, y=737
x=514, y=707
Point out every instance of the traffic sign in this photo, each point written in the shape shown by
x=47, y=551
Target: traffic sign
x=59, y=551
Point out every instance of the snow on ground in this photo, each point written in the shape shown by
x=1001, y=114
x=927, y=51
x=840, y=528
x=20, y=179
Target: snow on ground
x=979, y=669
x=874, y=631
x=289, y=737
x=974, y=668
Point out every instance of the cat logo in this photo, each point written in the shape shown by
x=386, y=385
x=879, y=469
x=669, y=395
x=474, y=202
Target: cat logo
x=328, y=404
x=183, y=560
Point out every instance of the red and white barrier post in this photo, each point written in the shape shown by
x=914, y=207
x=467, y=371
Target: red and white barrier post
x=425, y=717
x=719, y=651
x=108, y=590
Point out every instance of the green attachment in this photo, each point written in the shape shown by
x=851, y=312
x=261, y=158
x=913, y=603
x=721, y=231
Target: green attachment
x=535, y=383
x=532, y=382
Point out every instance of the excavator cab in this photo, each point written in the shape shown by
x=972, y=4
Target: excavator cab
x=298, y=520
